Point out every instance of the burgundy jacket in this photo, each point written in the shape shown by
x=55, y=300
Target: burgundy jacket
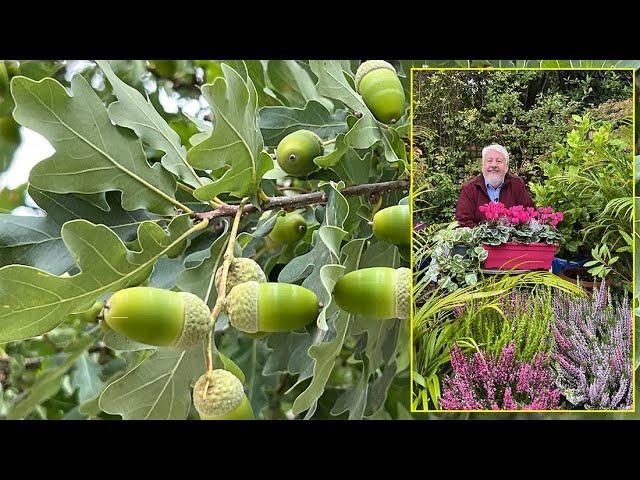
x=474, y=193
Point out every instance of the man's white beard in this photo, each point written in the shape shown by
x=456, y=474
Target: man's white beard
x=495, y=179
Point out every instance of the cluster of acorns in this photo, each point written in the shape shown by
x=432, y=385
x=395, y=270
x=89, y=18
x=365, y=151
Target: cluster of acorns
x=256, y=307
x=378, y=84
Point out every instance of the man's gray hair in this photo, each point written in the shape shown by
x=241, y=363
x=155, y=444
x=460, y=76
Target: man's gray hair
x=497, y=148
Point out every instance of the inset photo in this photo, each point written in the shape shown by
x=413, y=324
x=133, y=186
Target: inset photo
x=522, y=252
x=208, y=240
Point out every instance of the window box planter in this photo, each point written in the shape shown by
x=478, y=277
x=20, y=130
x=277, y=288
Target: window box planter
x=520, y=256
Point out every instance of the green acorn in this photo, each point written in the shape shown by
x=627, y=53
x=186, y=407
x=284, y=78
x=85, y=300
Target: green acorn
x=224, y=398
x=288, y=228
x=377, y=293
x=296, y=151
x=270, y=307
x=393, y=225
x=241, y=270
x=381, y=90
x=158, y=317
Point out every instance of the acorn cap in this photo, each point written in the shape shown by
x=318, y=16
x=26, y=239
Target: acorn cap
x=368, y=67
x=242, y=306
x=223, y=395
x=241, y=270
x=403, y=292
x=197, y=321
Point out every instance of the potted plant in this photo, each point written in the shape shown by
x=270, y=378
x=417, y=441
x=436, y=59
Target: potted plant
x=581, y=276
x=518, y=237
x=454, y=257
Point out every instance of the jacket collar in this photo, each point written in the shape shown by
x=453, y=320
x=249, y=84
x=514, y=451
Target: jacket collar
x=483, y=186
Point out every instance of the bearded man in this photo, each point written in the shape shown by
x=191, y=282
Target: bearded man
x=494, y=184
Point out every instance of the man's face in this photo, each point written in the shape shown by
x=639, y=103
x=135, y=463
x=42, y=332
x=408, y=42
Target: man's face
x=494, y=167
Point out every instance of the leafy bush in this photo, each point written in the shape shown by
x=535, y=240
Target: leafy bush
x=459, y=112
x=593, y=350
x=438, y=203
x=522, y=317
x=589, y=179
x=447, y=266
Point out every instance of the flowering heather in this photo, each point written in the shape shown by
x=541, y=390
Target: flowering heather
x=593, y=350
x=487, y=382
x=526, y=319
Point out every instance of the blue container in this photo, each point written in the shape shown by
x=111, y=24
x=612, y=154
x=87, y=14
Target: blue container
x=560, y=264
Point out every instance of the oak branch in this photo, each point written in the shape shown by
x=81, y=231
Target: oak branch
x=297, y=201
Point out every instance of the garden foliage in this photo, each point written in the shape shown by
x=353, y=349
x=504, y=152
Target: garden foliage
x=593, y=350
x=522, y=317
x=529, y=112
x=589, y=178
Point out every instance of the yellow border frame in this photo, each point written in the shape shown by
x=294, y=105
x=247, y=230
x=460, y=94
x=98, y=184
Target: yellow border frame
x=633, y=155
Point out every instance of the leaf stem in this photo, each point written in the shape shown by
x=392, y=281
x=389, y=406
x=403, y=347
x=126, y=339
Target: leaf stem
x=185, y=188
x=222, y=286
x=263, y=196
x=328, y=142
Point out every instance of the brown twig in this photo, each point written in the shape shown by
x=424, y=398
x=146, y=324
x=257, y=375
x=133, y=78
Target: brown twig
x=293, y=189
x=32, y=362
x=297, y=201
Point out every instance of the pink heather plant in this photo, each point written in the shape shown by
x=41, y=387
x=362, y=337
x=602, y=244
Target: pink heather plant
x=593, y=350
x=484, y=382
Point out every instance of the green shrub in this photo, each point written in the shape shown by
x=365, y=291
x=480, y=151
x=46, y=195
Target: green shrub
x=589, y=178
x=522, y=317
x=458, y=113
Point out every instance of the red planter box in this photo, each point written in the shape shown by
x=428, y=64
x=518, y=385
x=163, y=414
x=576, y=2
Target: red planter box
x=520, y=256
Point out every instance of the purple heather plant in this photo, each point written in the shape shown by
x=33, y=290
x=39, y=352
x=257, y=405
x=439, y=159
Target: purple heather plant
x=593, y=350
x=486, y=382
